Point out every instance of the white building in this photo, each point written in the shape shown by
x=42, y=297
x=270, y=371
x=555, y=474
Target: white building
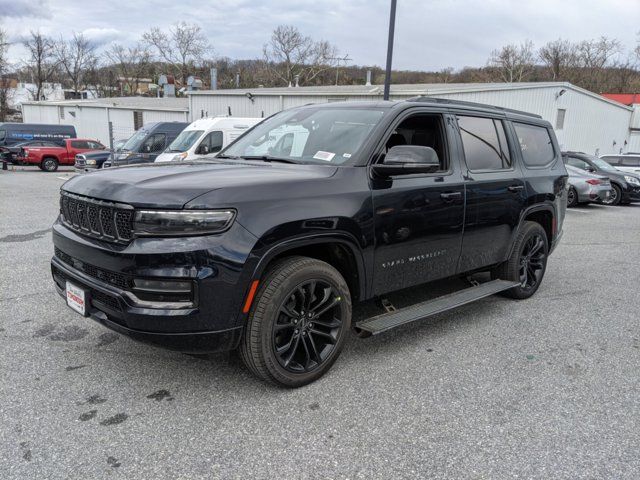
x=25, y=92
x=93, y=118
x=583, y=120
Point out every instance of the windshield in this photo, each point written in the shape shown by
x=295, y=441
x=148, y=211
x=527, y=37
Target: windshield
x=133, y=144
x=308, y=135
x=184, y=141
x=3, y=134
x=603, y=165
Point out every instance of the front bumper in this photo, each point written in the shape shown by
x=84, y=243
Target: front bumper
x=212, y=323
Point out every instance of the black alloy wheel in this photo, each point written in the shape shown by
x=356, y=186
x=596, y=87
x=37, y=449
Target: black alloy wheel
x=306, y=330
x=532, y=261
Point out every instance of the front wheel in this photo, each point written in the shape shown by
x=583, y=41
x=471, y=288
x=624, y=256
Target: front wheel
x=298, y=323
x=49, y=165
x=527, y=263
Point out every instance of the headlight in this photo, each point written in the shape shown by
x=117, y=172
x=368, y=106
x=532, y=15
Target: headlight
x=90, y=162
x=175, y=223
x=632, y=180
x=179, y=157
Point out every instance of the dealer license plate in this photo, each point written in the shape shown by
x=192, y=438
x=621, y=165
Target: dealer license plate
x=77, y=298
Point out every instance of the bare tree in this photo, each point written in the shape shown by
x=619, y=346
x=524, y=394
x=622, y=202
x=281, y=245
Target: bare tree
x=41, y=63
x=594, y=56
x=5, y=83
x=131, y=65
x=77, y=58
x=513, y=63
x=184, y=45
x=289, y=54
x=558, y=56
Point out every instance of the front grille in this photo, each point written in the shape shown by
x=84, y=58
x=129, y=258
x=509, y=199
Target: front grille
x=120, y=280
x=97, y=298
x=108, y=221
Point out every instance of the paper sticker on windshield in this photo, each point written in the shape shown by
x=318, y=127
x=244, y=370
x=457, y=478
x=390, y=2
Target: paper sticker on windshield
x=346, y=155
x=326, y=156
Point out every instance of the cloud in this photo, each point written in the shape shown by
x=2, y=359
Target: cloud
x=102, y=36
x=24, y=8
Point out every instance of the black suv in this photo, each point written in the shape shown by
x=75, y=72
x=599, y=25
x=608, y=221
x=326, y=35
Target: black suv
x=266, y=247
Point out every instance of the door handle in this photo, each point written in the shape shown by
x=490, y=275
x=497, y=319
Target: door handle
x=515, y=188
x=450, y=196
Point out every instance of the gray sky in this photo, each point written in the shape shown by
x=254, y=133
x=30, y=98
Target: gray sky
x=430, y=34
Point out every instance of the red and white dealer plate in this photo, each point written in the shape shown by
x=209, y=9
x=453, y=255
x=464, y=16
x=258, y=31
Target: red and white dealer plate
x=77, y=298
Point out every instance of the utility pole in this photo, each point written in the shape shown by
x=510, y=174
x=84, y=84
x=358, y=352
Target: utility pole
x=392, y=26
x=344, y=59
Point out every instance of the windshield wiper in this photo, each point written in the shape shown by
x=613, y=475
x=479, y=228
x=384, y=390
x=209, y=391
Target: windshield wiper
x=267, y=158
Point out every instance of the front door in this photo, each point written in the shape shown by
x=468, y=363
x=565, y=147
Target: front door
x=418, y=218
x=496, y=192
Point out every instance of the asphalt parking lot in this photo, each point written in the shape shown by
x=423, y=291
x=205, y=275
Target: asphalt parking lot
x=543, y=388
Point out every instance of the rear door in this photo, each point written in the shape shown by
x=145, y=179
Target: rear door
x=418, y=218
x=496, y=192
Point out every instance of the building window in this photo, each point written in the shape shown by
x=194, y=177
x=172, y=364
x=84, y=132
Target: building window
x=560, y=118
x=61, y=113
x=137, y=119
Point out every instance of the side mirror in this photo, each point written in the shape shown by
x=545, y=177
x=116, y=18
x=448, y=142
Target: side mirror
x=407, y=160
x=146, y=149
x=203, y=150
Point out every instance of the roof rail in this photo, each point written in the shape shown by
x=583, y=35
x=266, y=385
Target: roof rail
x=461, y=103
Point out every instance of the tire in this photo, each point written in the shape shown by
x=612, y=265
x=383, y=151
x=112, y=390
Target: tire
x=616, y=195
x=314, y=342
x=521, y=265
x=49, y=164
x=572, y=197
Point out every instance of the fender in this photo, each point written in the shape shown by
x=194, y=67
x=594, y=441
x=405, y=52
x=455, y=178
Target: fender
x=343, y=238
x=549, y=207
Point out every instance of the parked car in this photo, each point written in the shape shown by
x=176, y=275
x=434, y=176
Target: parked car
x=204, y=137
x=146, y=144
x=267, y=254
x=627, y=162
x=11, y=153
x=585, y=187
x=93, y=160
x=49, y=158
x=625, y=187
x=12, y=133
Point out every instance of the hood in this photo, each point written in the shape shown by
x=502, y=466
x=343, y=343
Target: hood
x=96, y=154
x=174, y=185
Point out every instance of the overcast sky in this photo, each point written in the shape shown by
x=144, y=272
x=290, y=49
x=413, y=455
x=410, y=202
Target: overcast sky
x=430, y=34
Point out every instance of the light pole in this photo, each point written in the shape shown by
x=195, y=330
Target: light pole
x=392, y=26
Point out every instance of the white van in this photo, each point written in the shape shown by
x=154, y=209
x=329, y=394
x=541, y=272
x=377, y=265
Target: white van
x=628, y=162
x=287, y=141
x=205, y=137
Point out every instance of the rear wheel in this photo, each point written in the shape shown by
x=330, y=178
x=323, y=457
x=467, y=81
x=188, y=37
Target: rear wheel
x=572, y=197
x=298, y=323
x=615, y=197
x=49, y=164
x=527, y=263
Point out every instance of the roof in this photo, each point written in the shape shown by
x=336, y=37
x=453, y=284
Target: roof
x=180, y=104
x=407, y=90
x=624, y=98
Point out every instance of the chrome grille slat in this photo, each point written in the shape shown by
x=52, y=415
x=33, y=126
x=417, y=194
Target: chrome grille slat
x=109, y=221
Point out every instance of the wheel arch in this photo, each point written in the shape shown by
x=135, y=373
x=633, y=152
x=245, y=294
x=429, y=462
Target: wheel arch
x=544, y=214
x=340, y=250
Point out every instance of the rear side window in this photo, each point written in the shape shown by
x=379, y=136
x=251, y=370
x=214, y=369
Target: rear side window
x=535, y=143
x=80, y=144
x=630, y=162
x=485, y=143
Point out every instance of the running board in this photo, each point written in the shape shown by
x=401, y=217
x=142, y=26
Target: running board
x=387, y=321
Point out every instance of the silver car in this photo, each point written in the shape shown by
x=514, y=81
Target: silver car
x=585, y=187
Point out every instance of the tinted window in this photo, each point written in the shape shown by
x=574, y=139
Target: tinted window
x=576, y=162
x=535, y=143
x=630, y=162
x=484, y=142
x=80, y=144
x=213, y=140
x=154, y=143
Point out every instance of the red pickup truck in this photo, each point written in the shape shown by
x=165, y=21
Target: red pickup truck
x=48, y=158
